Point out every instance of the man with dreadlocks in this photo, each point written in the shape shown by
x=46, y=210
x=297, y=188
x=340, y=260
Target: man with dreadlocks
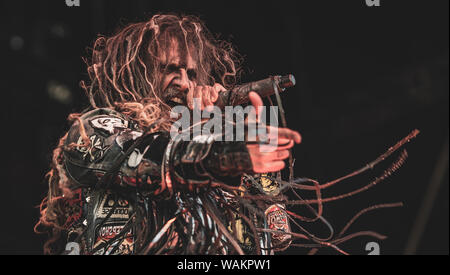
x=119, y=183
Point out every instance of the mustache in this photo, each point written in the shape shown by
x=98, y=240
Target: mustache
x=173, y=93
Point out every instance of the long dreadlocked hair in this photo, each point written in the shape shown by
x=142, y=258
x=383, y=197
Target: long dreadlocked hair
x=125, y=69
x=125, y=74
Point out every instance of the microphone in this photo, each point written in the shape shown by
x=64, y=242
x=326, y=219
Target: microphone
x=239, y=94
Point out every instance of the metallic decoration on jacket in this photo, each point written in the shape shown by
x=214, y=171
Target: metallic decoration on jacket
x=94, y=151
x=109, y=124
x=278, y=220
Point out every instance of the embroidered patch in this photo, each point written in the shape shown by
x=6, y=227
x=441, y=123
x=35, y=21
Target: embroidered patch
x=136, y=157
x=277, y=220
x=110, y=231
x=74, y=208
x=94, y=151
x=127, y=135
x=109, y=124
x=121, y=211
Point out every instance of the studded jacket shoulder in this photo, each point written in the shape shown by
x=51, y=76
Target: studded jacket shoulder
x=122, y=177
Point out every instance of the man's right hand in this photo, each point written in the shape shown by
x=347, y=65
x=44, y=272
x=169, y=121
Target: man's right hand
x=207, y=95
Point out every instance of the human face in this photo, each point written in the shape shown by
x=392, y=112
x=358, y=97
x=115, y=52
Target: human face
x=178, y=76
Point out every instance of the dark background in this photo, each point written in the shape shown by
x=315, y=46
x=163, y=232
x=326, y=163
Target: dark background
x=366, y=77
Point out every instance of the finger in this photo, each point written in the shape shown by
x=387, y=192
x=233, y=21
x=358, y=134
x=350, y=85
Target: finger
x=283, y=133
x=269, y=167
x=217, y=88
x=271, y=156
x=285, y=146
x=207, y=98
x=190, y=98
x=257, y=154
x=284, y=154
x=198, y=97
x=272, y=147
x=266, y=162
x=257, y=103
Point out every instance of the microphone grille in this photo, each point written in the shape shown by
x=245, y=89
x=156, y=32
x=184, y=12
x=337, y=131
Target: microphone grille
x=287, y=81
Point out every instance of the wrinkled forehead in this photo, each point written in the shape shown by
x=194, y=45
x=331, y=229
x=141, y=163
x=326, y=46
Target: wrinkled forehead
x=180, y=53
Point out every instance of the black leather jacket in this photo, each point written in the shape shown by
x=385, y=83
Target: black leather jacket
x=123, y=179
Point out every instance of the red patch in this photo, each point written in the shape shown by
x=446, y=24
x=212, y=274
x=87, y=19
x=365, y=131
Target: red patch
x=75, y=208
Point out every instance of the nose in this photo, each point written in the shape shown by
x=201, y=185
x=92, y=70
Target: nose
x=183, y=81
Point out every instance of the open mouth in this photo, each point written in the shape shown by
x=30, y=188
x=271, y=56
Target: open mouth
x=175, y=101
x=174, y=97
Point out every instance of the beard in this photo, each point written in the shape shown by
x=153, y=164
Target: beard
x=172, y=96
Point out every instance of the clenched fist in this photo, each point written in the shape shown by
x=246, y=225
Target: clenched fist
x=206, y=96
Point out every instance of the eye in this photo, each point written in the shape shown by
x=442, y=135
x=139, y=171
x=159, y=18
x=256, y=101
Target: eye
x=192, y=74
x=171, y=68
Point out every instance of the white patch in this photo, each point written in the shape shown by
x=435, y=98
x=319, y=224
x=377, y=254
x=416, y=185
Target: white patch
x=109, y=123
x=135, y=134
x=94, y=151
x=136, y=157
x=126, y=136
x=204, y=139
